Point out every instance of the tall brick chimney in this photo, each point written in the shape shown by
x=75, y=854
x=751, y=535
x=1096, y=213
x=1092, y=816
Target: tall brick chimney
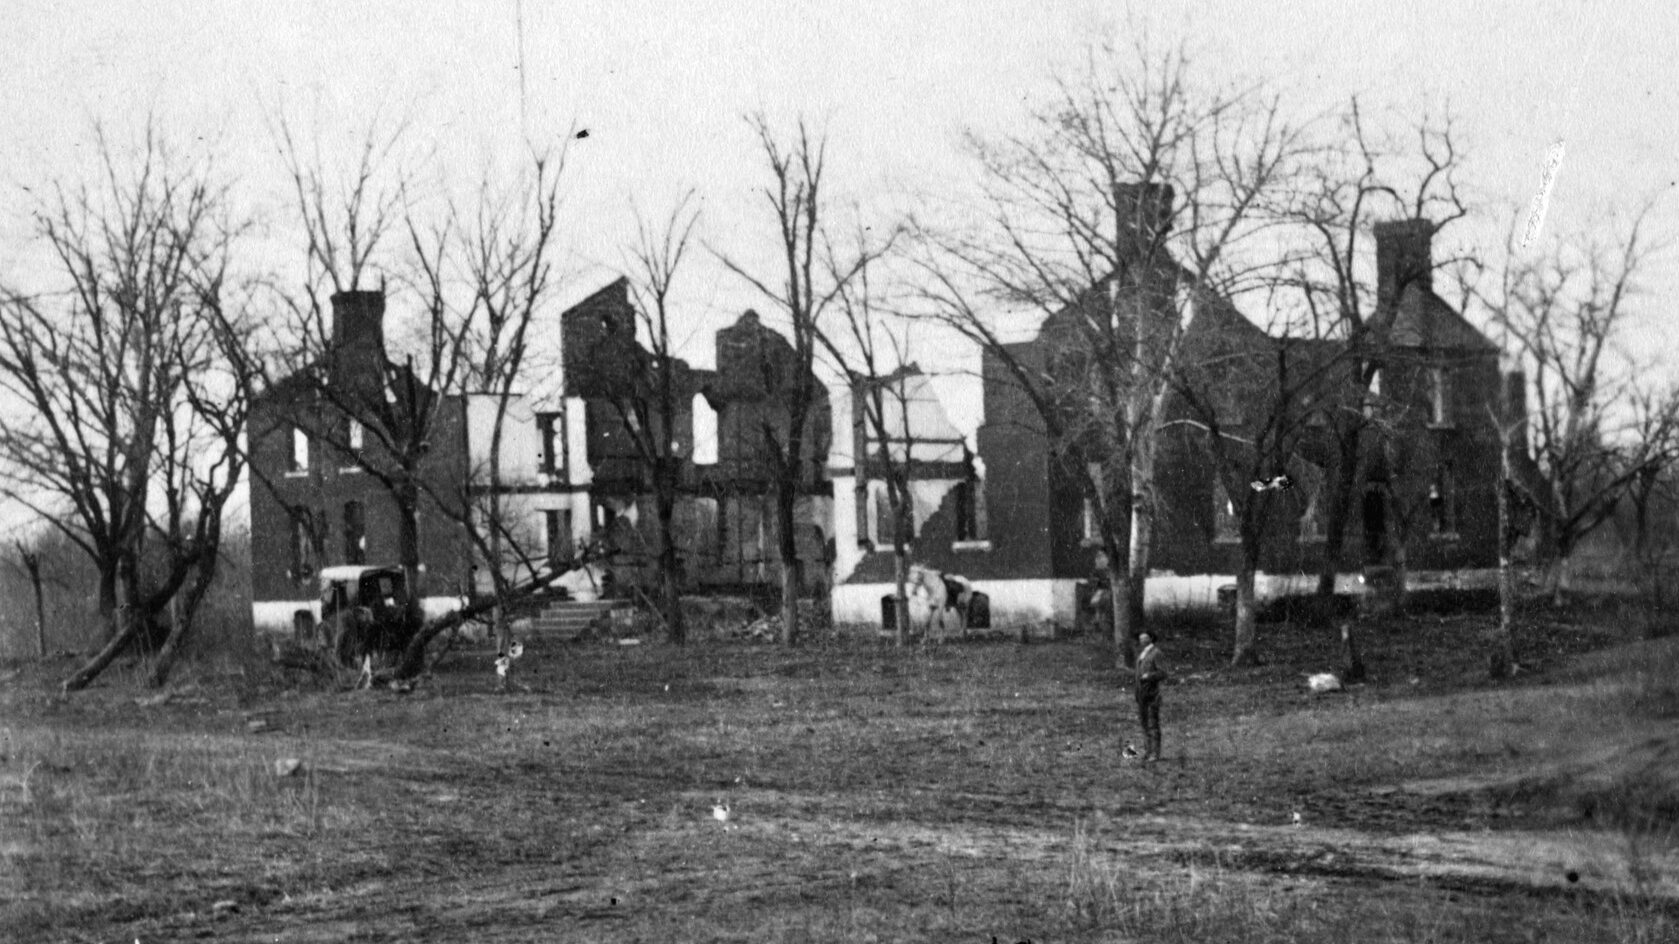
x=358, y=337
x=599, y=355
x=1145, y=209
x=1404, y=257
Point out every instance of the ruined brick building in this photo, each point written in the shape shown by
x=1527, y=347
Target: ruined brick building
x=1424, y=482
x=314, y=503
x=1004, y=511
x=725, y=515
x=568, y=473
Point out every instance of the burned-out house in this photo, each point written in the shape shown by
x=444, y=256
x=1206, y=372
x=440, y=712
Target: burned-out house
x=1424, y=479
x=567, y=474
x=317, y=499
x=721, y=428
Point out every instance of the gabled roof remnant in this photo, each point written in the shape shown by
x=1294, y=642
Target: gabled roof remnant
x=1422, y=319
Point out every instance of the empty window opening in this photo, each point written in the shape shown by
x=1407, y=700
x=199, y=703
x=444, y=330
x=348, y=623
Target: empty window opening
x=557, y=534
x=302, y=547
x=1442, y=499
x=1227, y=525
x=705, y=431
x=299, y=450
x=1440, y=397
x=355, y=533
x=967, y=512
x=551, y=427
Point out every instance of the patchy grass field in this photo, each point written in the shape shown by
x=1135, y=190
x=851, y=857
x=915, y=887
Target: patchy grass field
x=958, y=793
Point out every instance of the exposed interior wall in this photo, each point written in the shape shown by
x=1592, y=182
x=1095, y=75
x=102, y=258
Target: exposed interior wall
x=521, y=444
x=577, y=441
x=847, y=554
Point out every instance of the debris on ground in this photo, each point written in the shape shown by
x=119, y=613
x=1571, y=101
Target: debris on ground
x=1322, y=683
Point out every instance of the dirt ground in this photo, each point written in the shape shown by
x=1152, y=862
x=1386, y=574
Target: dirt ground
x=966, y=792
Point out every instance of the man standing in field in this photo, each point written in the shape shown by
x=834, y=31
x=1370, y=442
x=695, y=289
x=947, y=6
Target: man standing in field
x=1151, y=672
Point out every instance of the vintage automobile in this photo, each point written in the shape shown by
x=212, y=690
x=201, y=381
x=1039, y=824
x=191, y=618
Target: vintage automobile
x=364, y=610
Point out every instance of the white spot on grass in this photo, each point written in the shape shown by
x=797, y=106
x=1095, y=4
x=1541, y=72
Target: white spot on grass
x=1323, y=682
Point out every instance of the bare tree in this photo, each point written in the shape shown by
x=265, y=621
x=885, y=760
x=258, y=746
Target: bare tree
x=481, y=275
x=875, y=365
x=345, y=218
x=803, y=289
x=505, y=260
x=29, y=560
x=130, y=441
x=370, y=411
x=1501, y=660
x=1132, y=199
x=203, y=460
x=1654, y=528
x=1563, y=310
x=1363, y=177
x=653, y=410
x=1249, y=392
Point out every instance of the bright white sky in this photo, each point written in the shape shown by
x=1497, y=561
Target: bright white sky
x=661, y=87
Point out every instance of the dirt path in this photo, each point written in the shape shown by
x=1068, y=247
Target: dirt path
x=873, y=796
x=1506, y=858
x=665, y=853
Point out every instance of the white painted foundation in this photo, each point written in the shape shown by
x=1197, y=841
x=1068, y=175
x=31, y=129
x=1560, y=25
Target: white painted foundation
x=1045, y=602
x=275, y=616
x=1014, y=603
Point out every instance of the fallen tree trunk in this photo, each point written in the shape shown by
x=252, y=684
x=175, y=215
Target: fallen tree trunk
x=413, y=658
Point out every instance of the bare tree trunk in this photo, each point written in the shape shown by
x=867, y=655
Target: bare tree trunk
x=1352, y=664
x=900, y=573
x=181, y=624
x=900, y=598
x=786, y=500
x=1340, y=512
x=408, y=550
x=1142, y=530
x=40, y=611
x=123, y=630
x=1502, y=662
x=1247, y=611
x=1125, y=632
x=1549, y=546
x=670, y=584
x=32, y=565
x=109, y=598
x=1401, y=571
x=498, y=580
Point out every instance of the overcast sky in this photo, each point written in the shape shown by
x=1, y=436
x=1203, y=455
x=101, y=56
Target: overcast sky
x=662, y=93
